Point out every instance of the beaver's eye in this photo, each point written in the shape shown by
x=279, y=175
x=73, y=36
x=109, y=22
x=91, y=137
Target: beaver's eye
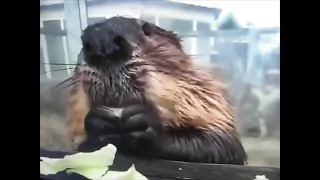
x=146, y=28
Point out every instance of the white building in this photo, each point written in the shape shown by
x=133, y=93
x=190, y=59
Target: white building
x=58, y=15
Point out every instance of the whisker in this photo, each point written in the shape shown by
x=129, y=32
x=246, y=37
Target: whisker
x=154, y=76
x=60, y=64
x=56, y=70
x=79, y=40
x=67, y=80
x=69, y=85
x=58, y=85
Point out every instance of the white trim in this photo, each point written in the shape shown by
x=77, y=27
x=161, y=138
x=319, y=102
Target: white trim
x=194, y=39
x=73, y=28
x=83, y=15
x=43, y=44
x=128, y=9
x=65, y=48
x=156, y=20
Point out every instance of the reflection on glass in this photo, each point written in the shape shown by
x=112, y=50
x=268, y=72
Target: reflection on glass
x=55, y=49
x=56, y=59
x=247, y=60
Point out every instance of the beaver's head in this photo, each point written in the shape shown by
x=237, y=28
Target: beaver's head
x=132, y=61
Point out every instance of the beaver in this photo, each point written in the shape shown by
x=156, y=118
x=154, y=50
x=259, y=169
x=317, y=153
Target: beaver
x=172, y=109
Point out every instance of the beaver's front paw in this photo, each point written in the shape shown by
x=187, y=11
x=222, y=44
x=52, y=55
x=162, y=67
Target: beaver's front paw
x=102, y=128
x=141, y=127
x=135, y=132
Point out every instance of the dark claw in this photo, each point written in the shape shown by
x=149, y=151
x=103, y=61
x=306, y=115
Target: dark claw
x=140, y=117
x=136, y=122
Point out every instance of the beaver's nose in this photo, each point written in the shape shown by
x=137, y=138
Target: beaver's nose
x=98, y=41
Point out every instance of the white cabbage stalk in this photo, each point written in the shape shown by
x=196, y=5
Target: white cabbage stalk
x=261, y=177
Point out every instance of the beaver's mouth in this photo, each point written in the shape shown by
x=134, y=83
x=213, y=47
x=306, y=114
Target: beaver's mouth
x=103, y=91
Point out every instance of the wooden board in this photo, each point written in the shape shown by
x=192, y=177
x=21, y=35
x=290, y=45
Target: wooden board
x=173, y=170
x=162, y=169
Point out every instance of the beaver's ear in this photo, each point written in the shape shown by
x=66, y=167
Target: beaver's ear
x=147, y=29
x=150, y=29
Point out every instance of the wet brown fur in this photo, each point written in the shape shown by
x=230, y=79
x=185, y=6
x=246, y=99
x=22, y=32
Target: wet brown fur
x=184, y=95
x=77, y=109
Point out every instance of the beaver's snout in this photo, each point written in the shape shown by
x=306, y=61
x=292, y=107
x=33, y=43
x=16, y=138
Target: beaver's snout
x=106, y=42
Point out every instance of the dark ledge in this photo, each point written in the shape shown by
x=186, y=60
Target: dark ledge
x=173, y=170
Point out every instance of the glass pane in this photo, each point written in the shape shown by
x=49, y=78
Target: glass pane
x=57, y=60
x=246, y=58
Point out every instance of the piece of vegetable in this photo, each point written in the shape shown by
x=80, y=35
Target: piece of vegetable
x=92, y=165
x=90, y=173
x=130, y=174
x=261, y=177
